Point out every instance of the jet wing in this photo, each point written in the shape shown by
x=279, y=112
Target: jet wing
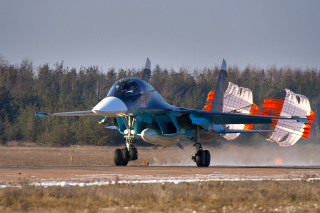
x=245, y=131
x=225, y=117
x=87, y=114
x=235, y=118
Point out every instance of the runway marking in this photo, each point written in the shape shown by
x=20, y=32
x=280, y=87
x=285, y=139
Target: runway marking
x=83, y=176
x=174, y=180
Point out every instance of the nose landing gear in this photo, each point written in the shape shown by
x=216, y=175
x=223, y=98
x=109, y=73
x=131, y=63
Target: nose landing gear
x=128, y=153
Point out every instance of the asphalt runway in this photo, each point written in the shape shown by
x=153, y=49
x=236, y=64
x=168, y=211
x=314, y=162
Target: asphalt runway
x=40, y=174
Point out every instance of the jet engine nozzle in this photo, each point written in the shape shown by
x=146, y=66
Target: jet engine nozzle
x=110, y=107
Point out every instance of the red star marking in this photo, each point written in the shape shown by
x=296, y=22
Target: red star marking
x=143, y=101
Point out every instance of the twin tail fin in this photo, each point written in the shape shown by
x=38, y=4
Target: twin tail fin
x=217, y=102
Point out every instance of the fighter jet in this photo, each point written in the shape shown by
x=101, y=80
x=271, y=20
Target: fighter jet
x=139, y=111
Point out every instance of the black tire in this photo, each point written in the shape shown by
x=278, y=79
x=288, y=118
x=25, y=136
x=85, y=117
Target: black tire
x=133, y=154
x=200, y=159
x=125, y=155
x=207, y=157
x=124, y=163
x=118, y=157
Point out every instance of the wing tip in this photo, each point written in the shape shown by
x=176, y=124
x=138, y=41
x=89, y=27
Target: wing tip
x=42, y=114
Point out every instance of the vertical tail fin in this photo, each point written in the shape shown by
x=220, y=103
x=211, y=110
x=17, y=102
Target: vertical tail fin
x=147, y=71
x=217, y=102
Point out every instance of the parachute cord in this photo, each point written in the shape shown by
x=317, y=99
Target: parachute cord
x=250, y=105
x=265, y=136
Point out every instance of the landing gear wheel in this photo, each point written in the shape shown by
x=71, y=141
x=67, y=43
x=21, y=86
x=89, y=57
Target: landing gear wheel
x=133, y=154
x=200, y=158
x=118, y=157
x=126, y=155
x=207, y=158
x=124, y=163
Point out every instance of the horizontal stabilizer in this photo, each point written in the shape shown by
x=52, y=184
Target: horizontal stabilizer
x=301, y=120
x=245, y=131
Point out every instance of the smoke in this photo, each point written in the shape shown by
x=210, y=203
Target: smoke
x=230, y=154
x=266, y=155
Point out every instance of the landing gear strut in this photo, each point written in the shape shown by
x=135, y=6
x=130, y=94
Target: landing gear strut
x=128, y=153
x=201, y=157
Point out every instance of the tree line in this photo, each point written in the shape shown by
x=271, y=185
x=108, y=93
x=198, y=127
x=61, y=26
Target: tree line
x=25, y=89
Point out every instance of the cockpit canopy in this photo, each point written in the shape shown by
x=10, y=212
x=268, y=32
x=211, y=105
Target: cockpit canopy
x=129, y=87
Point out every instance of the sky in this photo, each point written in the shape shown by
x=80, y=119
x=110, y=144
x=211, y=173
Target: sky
x=193, y=34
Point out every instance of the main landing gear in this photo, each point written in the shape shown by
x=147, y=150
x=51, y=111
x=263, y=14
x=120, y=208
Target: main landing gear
x=129, y=153
x=123, y=156
x=201, y=157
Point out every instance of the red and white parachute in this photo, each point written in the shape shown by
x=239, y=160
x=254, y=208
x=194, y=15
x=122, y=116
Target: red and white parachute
x=287, y=132
x=236, y=100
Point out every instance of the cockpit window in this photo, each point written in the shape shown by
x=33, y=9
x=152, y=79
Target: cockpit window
x=130, y=86
x=123, y=89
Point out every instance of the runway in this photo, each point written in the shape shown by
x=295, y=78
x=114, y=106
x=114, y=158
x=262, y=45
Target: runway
x=56, y=175
x=94, y=165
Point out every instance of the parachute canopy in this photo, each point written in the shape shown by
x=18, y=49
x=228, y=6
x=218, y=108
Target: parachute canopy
x=236, y=100
x=287, y=132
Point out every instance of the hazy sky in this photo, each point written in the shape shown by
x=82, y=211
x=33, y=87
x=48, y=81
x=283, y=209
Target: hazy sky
x=171, y=33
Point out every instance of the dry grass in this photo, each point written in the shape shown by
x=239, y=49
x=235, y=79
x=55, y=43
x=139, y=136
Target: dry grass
x=293, y=196
x=246, y=196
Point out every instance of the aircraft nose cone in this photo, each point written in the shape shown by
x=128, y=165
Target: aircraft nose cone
x=110, y=107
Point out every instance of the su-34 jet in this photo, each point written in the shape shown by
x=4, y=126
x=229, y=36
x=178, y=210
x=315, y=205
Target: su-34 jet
x=139, y=111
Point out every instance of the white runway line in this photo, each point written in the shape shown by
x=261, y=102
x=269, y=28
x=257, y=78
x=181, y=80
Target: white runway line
x=136, y=179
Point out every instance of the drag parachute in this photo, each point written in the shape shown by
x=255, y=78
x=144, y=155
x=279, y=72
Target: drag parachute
x=236, y=100
x=288, y=132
